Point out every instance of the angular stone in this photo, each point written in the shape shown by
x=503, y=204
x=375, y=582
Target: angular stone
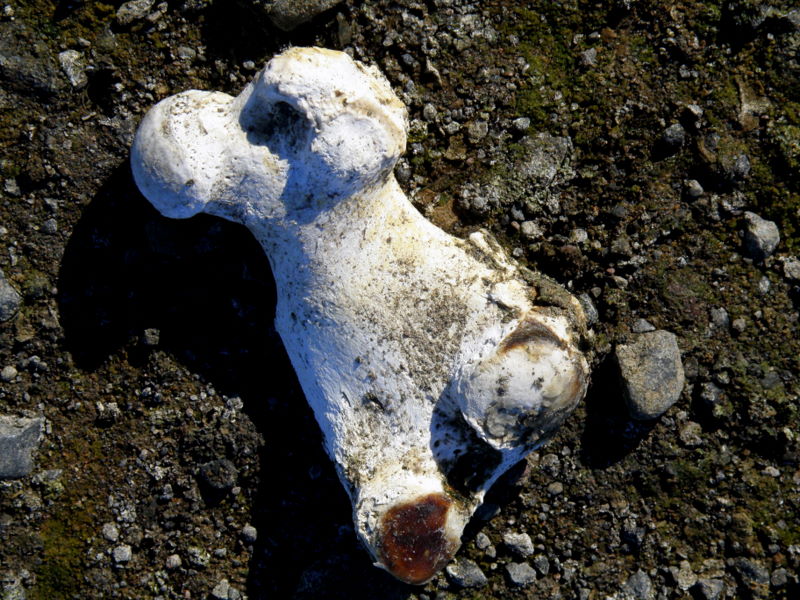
x=10, y=299
x=465, y=573
x=652, y=373
x=520, y=574
x=288, y=14
x=19, y=438
x=761, y=237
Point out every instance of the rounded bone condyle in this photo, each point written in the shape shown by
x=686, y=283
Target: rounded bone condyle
x=431, y=363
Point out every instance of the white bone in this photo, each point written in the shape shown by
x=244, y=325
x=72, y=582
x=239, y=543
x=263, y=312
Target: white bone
x=432, y=363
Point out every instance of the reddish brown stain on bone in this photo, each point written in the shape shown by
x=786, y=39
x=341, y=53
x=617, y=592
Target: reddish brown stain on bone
x=530, y=331
x=414, y=544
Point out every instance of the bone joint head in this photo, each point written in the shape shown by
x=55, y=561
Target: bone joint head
x=431, y=363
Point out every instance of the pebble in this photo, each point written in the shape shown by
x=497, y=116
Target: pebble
x=198, y=557
x=220, y=591
x=639, y=587
x=288, y=14
x=477, y=130
x=219, y=474
x=541, y=564
x=10, y=299
x=173, y=562
x=761, y=237
x=710, y=589
x=642, y=326
x=134, y=10
x=249, y=534
x=519, y=543
x=122, y=554
x=521, y=124
x=530, y=230
x=720, y=318
x=9, y=373
x=151, y=337
x=520, y=574
x=791, y=269
x=74, y=67
x=19, y=438
x=465, y=573
x=694, y=189
x=588, y=58
x=652, y=373
x=674, y=136
x=555, y=489
x=110, y=532
x=684, y=576
x=691, y=435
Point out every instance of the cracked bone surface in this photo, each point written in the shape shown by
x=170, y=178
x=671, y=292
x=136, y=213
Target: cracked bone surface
x=432, y=363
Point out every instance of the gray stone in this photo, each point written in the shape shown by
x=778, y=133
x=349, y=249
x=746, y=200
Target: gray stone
x=151, y=337
x=520, y=574
x=779, y=578
x=219, y=474
x=588, y=58
x=173, y=562
x=519, y=543
x=134, y=10
x=791, y=269
x=482, y=541
x=465, y=573
x=674, y=136
x=11, y=587
x=122, y=554
x=694, y=189
x=642, y=326
x=25, y=63
x=761, y=237
x=710, y=589
x=542, y=564
x=9, y=373
x=110, y=532
x=19, y=438
x=720, y=318
x=198, y=557
x=691, y=435
x=74, y=67
x=652, y=373
x=288, y=14
x=10, y=299
x=249, y=534
x=220, y=591
x=639, y=587
x=521, y=124
x=752, y=571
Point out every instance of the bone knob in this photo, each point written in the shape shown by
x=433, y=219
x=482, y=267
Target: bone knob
x=432, y=363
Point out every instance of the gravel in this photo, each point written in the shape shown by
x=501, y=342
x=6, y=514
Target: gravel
x=652, y=373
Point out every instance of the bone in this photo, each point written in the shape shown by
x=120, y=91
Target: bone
x=432, y=363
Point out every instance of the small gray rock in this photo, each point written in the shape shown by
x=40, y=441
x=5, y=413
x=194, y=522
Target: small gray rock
x=639, y=587
x=791, y=268
x=198, y=557
x=122, y=554
x=761, y=237
x=720, y=318
x=642, y=326
x=691, y=435
x=173, y=562
x=134, y=10
x=249, y=534
x=465, y=573
x=110, y=532
x=588, y=58
x=151, y=337
x=74, y=67
x=520, y=574
x=752, y=571
x=220, y=591
x=9, y=373
x=219, y=474
x=542, y=564
x=519, y=543
x=652, y=373
x=710, y=589
x=694, y=189
x=19, y=438
x=521, y=124
x=288, y=14
x=674, y=136
x=482, y=541
x=10, y=299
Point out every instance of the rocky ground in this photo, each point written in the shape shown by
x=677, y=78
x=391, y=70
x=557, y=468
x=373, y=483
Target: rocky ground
x=645, y=154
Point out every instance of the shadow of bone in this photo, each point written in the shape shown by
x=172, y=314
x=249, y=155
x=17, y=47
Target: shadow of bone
x=206, y=285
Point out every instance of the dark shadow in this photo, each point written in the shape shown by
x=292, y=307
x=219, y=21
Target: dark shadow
x=609, y=433
x=206, y=286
